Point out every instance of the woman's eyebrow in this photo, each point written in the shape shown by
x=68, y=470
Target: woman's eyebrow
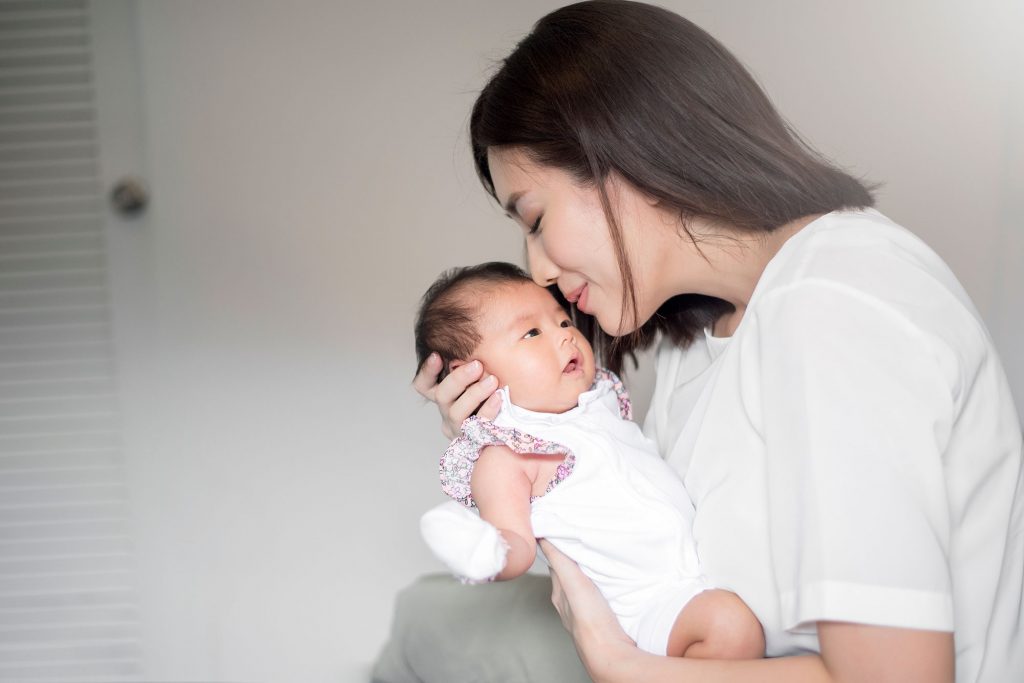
x=510, y=204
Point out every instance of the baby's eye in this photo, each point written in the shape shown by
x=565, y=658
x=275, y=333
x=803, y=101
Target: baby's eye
x=566, y=323
x=533, y=332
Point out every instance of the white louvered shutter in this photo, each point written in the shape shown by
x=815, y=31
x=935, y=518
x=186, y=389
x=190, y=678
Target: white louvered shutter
x=68, y=606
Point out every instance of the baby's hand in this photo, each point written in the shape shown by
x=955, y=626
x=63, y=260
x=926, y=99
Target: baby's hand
x=459, y=394
x=470, y=547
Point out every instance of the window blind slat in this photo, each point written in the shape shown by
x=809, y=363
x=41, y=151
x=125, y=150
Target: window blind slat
x=25, y=444
x=107, y=489
x=82, y=459
x=68, y=615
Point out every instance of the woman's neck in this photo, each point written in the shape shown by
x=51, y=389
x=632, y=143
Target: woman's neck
x=733, y=265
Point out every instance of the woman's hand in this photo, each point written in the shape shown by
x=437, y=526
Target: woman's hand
x=459, y=394
x=600, y=640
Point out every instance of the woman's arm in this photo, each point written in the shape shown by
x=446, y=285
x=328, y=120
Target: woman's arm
x=501, y=489
x=850, y=653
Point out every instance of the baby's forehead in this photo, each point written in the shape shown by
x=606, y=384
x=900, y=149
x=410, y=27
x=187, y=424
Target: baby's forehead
x=508, y=303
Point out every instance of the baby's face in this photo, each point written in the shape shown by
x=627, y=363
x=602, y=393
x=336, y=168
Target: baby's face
x=529, y=343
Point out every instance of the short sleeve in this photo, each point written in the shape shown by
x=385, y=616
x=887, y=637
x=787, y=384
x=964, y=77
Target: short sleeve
x=855, y=409
x=459, y=459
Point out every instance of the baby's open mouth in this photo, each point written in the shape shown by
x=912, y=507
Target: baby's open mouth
x=572, y=365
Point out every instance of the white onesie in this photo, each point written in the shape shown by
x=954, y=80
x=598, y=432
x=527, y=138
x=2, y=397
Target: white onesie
x=615, y=507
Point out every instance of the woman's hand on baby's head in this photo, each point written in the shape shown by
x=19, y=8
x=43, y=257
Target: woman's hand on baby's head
x=460, y=393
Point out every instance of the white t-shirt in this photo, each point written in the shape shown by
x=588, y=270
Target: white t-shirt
x=853, y=451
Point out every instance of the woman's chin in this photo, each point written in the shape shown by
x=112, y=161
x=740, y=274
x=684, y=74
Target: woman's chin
x=617, y=327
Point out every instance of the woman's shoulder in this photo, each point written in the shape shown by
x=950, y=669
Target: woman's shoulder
x=861, y=285
x=863, y=248
x=862, y=254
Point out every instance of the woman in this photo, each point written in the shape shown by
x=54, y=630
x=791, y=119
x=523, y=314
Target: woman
x=824, y=386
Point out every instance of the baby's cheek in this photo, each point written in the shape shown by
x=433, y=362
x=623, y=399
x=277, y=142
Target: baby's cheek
x=535, y=393
x=535, y=397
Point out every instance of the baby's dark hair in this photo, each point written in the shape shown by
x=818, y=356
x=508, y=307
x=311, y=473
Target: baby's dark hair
x=447, y=319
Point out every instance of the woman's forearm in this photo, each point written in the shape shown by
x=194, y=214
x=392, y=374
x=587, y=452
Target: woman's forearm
x=851, y=653
x=642, y=666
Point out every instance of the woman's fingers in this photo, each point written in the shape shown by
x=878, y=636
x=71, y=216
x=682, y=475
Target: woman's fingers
x=584, y=611
x=426, y=379
x=458, y=395
x=569, y=573
x=468, y=400
x=490, y=407
x=561, y=604
x=455, y=384
x=555, y=557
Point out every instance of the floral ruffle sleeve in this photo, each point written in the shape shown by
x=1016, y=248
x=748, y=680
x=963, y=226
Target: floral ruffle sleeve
x=460, y=457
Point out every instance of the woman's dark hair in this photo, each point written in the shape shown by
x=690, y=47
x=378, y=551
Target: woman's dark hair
x=447, y=319
x=620, y=87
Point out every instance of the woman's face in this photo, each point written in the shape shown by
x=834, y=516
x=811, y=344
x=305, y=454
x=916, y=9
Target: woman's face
x=568, y=240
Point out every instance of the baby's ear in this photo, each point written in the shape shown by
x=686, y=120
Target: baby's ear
x=451, y=365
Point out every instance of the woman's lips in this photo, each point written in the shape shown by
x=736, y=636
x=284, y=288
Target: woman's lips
x=578, y=296
x=572, y=296
x=581, y=299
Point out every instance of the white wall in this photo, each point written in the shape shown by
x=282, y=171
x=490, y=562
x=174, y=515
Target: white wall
x=310, y=177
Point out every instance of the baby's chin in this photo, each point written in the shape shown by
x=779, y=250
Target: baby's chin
x=547, y=406
x=566, y=397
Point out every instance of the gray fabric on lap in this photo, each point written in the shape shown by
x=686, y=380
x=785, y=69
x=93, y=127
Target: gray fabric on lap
x=507, y=631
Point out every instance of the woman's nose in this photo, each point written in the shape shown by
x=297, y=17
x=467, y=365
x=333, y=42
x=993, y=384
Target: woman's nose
x=542, y=270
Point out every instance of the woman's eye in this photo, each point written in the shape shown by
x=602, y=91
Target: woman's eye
x=535, y=228
x=566, y=323
x=532, y=333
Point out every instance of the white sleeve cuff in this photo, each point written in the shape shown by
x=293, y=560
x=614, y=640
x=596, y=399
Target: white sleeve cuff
x=865, y=604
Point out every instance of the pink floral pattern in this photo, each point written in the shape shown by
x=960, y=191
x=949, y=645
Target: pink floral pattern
x=625, y=405
x=459, y=458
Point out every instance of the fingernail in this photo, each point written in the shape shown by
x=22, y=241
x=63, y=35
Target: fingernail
x=475, y=365
x=491, y=380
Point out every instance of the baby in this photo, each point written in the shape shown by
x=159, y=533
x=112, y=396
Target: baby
x=563, y=461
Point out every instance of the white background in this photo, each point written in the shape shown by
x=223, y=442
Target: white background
x=310, y=177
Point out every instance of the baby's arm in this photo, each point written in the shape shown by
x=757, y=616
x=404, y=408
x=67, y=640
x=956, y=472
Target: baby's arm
x=501, y=488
